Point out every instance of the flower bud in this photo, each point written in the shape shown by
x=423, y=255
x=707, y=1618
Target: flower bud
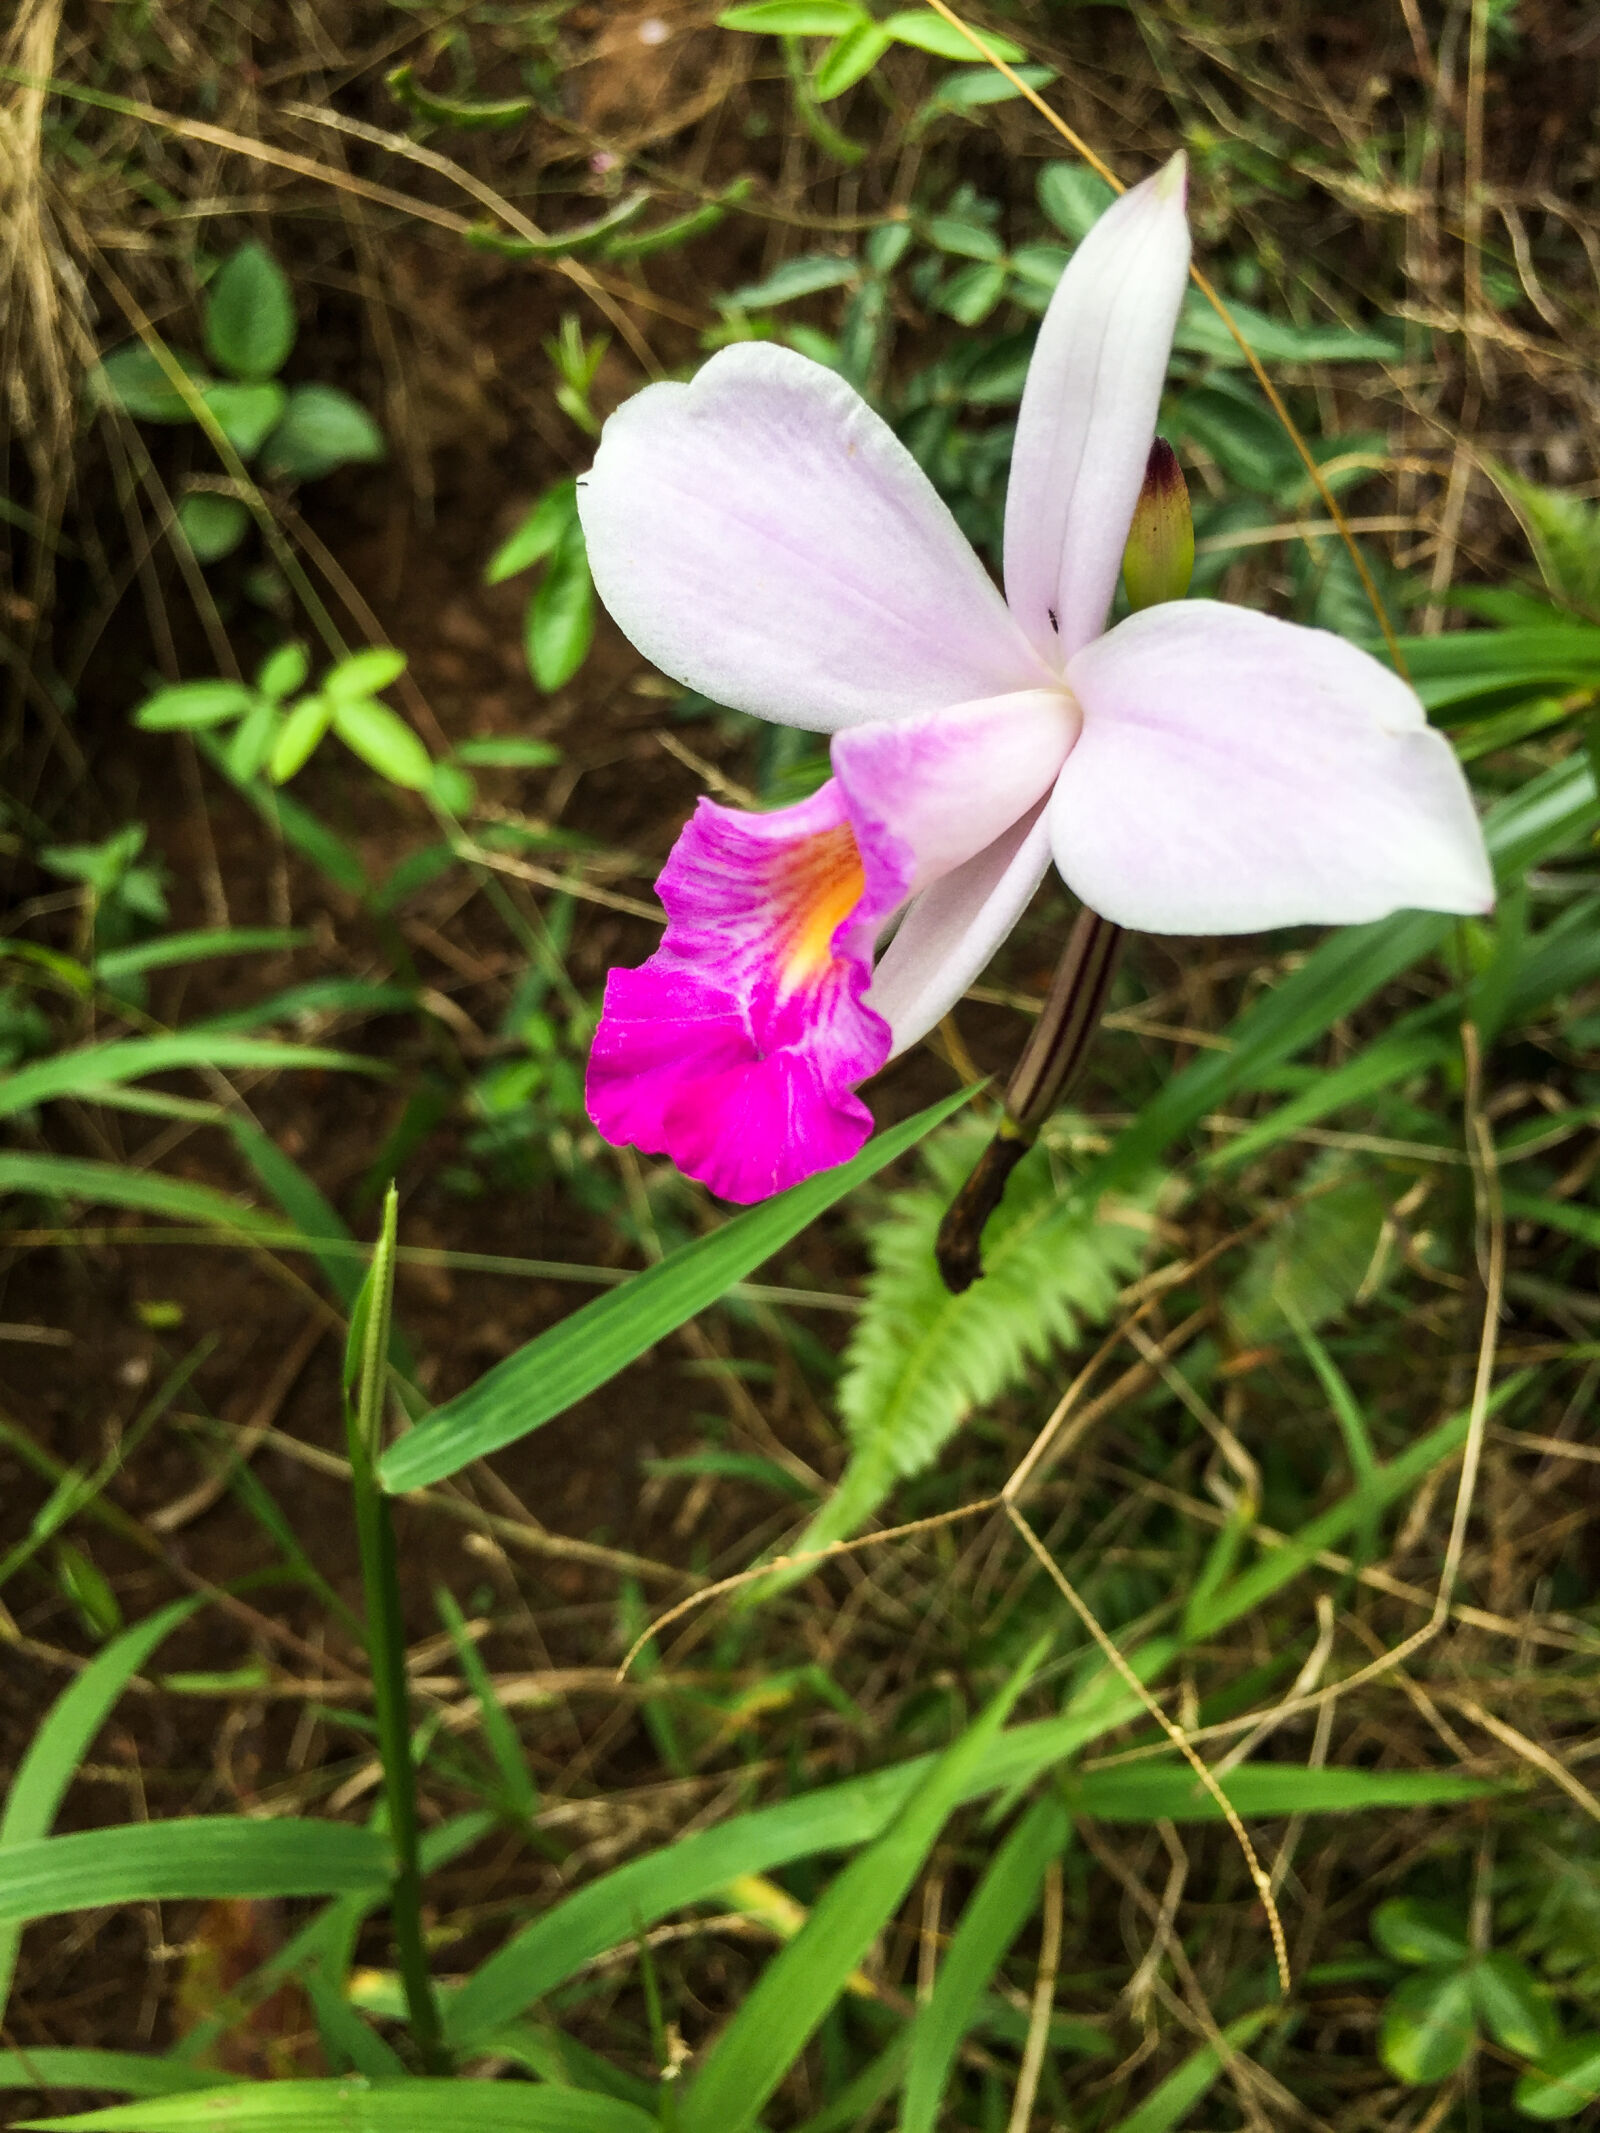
x=1159, y=559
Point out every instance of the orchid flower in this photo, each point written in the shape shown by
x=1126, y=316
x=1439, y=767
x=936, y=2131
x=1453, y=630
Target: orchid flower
x=762, y=536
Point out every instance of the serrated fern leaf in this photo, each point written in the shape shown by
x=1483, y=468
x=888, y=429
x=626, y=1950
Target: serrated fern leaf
x=921, y=1359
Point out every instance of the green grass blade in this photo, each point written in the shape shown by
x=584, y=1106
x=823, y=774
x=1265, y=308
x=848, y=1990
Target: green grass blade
x=123, y=2073
x=94, y=1066
x=67, y=1177
x=354, y=2105
x=1001, y=1906
x=1169, y=2106
x=1167, y=1791
x=498, y=1731
x=777, y=2019
x=174, y=948
x=551, y=1373
x=62, y=1740
x=203, y=1856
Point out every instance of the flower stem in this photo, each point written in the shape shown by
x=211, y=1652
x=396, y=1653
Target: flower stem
x=1050, y=1063
x=366, y=1375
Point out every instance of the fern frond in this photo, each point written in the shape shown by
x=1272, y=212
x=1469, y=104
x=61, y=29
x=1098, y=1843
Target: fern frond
x=921, y=1360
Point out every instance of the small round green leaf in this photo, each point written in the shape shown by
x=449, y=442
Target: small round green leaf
x=134, y=380
x=252, y=742
x=364, y=673
x=1566, y=2081
x=847, y=60
x=931, y=33
x=322, y=428
x=508, y=751
x=247, y=414
x=1428, y=2025
x=1511, y=2006
x=283, y=671
x=972, y=293
x=382, y=739
x=451, y=788
x=213, y=526
x=1416, y=1932
x=538, y=536
x=1074, y=197
x=190, y=706
x=298, y=737
x=249, y=322
x=794, y=18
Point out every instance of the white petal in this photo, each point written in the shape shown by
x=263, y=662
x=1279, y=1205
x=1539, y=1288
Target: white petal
x=1089, y=414
x=762, y=536
x=1236, y=772
x=953, y=929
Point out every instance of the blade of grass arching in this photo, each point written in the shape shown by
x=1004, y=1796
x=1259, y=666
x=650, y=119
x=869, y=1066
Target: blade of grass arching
x=856, y=2102
x=1168, y=2106
x=999, y=1908
x=366, y=1379
x=201, y=947
x=94, y=1066
x=61, y=1742
x=1347, y=1411
x=1389, y=1482
x=349, y=2044
x=201, y=1857
x=551, y=1373
x=67, y=1177
x=328, y=1943
x=520, y=1791
x=778, y=2017
x=122, y=2073
x=354, y=2106
x=306, y=1206
x=317, y=996
x=1410, y=1047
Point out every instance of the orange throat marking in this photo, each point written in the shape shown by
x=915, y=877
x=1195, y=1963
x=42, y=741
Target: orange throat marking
x=824, y=882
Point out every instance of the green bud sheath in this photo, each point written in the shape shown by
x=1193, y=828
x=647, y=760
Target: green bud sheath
x=1158, y=561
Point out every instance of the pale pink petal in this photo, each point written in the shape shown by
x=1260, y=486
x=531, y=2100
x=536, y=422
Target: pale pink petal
x=736, y=1048
x=762, y=536
x=1089, y=413
x=1236, y=772
x=950, y=782
x=953, y=929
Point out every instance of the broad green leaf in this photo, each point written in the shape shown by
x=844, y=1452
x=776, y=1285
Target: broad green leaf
x=196, y=947
x=299, y=737
x=794, y=18
x=931, y=33
x=1428, y=2027
x=365, y=673
x=1201, y=332
x=1566, y=2082
x=249, y=314
x=190, y=705
x=777, y=2018
x=63, y=1738
x=849, y=59
x=1421, y=1933
x=1511, y=2006
x=213, y=526
x=322, y=428
x=560, y=620
x=1168, y=2107
x=246, y=414
x=1074, y=197
x=1454, y=670
x=134, y=380
x=94, y=1066
x=383, y=740
x=355, y=2105
x=123, y=2073
x=584, y=1351
x=538, y=535
x=999, y=1908
x=201, y=1856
